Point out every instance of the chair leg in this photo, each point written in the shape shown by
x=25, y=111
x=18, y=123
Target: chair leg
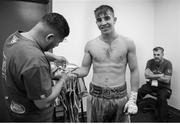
x=54, y=115
x=82, y=111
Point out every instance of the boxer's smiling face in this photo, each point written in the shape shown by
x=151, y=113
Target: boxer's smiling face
x=105, y=22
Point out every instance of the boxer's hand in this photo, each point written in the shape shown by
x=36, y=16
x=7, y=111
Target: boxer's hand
x=72, y=75
x=131, y=107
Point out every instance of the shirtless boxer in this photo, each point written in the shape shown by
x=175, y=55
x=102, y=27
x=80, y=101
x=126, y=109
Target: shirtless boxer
x=109, y=54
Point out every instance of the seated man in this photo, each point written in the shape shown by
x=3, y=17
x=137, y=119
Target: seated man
x=158, y=71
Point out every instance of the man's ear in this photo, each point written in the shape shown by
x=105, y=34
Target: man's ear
x=115, y=19
x=50, y=37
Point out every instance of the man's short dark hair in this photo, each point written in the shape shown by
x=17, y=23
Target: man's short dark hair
x=57, y=22
x=103, y=9
x=158, y=48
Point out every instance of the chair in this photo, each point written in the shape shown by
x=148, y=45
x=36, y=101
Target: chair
x=149, y=103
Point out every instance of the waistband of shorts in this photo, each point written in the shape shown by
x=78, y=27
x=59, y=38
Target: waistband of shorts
x=108, y=92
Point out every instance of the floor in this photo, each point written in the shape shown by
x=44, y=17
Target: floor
x=149, y=116
x=148, y=112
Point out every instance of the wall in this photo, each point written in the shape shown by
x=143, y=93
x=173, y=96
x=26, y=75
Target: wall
x=17, y=15
x=135, y=19
x=167, y=30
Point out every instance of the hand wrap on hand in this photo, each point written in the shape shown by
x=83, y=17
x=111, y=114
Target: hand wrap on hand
x=131, y=107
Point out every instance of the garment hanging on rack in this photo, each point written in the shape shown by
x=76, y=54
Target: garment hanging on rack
x=71, y=94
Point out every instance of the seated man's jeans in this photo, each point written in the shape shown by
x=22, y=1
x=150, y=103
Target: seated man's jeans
x=162, y=96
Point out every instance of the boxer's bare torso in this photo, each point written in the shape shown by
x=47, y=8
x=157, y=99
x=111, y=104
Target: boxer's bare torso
x=109, y=60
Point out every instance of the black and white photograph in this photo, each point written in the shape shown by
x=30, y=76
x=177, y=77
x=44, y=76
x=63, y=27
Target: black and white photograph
x=90, y=61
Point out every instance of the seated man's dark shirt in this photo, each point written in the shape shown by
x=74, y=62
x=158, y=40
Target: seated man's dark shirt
x=164, y=67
